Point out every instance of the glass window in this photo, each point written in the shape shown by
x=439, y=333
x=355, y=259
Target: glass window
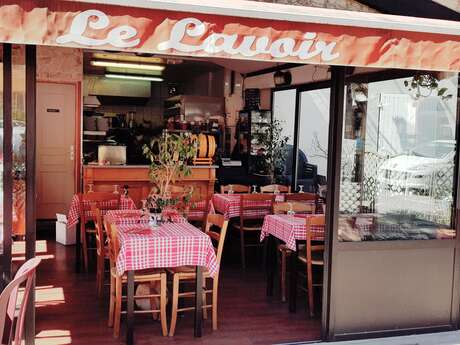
x=398, y=153
x=313, y=140
x=19, y=137
x=284, y=112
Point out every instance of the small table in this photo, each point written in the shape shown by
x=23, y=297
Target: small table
x=73, y=218
x=169, y=245
x=292, y=231
x=230, y=205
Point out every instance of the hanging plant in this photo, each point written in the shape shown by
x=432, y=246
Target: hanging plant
x=423, y=85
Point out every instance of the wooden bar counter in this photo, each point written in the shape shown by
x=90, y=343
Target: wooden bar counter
x=136, y=177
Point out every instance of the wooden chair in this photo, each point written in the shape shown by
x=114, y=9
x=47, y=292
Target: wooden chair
x=305, y=198
x=253, y=208
x=297, y=207
x=101, y=250
x=313, y=256
x=188, y=273
x=143, y=276
x=237, y=188
x=272, y=188
x=285, y=252
x=104, y=201
x=198, y=212
x=10, y=331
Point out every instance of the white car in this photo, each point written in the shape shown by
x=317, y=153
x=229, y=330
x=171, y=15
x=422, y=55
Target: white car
x=421, y=171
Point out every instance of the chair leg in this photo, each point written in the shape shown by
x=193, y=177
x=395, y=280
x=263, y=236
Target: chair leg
x=100, y=277
x=117, y=313
x=215, y=286
x=205, y=310
x=175, y=300
x=283, y=276
x=112, y=300
x=243, y=254
x=163, y=302
x=311, y=305
x=84, y=248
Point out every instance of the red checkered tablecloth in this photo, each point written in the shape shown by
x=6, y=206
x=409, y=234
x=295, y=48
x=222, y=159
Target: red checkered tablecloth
x=229, y=205
x=169, y=245
x=288, y=228
x=126, y=203
x=126, y=217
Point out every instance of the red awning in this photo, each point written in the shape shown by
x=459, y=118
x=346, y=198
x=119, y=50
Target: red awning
x=236, y=29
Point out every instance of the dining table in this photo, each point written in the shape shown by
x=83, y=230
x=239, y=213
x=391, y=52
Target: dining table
x=167, y=245
x=292, y=230
x=74, y=215
x=230, y=205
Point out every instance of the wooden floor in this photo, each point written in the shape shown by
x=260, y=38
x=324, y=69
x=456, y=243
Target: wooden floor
x=69, y=313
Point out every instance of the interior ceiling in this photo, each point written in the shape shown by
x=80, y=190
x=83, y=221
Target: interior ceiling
x=177, y=68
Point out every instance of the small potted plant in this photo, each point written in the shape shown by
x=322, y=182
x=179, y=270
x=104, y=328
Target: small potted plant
x=169, y=155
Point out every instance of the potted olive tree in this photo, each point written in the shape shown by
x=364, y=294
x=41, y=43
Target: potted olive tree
x=169, y=155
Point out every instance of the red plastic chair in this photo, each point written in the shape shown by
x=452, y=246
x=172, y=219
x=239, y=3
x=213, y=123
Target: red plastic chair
x=11, y=333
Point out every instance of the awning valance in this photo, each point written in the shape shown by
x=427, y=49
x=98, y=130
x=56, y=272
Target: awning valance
x=236, y=29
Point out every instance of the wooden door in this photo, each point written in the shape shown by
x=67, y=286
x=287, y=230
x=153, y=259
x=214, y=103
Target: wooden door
x=56, y=104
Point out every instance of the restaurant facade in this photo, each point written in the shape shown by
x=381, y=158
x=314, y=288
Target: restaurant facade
x=388, y=146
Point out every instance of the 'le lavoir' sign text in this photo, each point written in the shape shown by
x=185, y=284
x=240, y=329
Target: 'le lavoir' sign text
x=83, y=25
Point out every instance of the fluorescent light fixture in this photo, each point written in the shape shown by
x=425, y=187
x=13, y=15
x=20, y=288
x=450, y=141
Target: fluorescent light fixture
x=127, y=65
x=132, y=77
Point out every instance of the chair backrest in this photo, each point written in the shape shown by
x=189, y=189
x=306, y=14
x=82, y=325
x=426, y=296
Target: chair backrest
x=237, y=188
x=8, y=303
x=100, y=240
x=219, y=221
x=113, y=244
x=103, y=200
x=310, y=222
x=272, y=188
x=301, y=197
x=255, y=206
x=297, y=207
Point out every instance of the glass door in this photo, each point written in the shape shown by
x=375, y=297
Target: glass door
x=313, y=141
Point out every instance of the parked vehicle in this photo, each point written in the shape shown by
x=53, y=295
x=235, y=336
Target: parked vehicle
x=422, y=170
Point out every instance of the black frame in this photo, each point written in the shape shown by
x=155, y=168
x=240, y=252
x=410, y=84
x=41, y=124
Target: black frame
x=7, y=164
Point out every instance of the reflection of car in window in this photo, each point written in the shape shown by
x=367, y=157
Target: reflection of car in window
x=419, y=170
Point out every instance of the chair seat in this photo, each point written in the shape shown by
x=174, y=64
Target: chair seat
x=187, y=272
x=140, y=275
x=316, y=258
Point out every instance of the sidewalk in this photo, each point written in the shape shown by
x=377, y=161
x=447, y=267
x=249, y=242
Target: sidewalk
x=442, y=338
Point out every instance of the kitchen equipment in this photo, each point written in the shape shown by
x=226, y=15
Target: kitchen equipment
x=89, y=123
x=103, y=123
x=113, y=155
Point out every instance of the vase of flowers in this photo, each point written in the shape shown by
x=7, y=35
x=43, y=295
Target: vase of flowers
x=170, y=156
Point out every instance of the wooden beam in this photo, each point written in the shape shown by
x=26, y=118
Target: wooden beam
x=31, y=64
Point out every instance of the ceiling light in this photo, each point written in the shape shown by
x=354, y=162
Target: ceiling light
x=128, y=58
x=132, y=77
x=127, y=65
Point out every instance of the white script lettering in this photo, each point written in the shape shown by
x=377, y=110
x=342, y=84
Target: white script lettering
x=249, y=45
x=120, y=37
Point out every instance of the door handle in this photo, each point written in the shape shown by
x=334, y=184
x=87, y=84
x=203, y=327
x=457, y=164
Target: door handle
x=72, y=153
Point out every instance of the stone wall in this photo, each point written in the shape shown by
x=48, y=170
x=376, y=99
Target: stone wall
x=59, y=64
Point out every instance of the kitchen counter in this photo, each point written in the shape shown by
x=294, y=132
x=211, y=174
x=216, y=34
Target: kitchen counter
x=136, y=177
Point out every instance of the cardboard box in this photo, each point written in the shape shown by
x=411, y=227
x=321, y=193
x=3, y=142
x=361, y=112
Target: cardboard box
x=63, y=235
